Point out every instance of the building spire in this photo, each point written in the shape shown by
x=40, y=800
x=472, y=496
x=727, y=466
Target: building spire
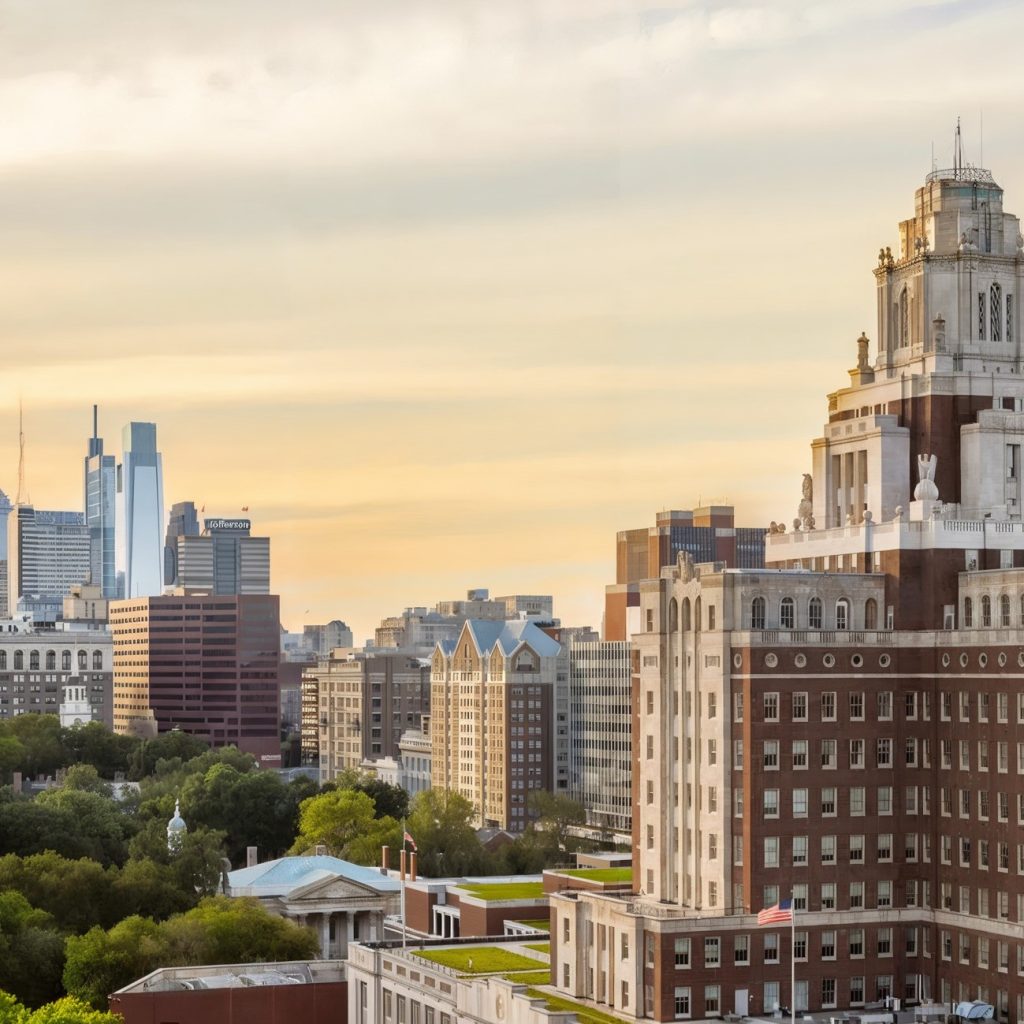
x=22, y=496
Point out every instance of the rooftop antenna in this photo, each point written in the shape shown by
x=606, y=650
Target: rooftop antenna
x=958, y=152
x=22, y=492
x=981, y=133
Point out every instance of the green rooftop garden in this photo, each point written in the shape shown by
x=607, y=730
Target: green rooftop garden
x=541, y=947
x=482, y=960
x=542, y=923
x=538, y=977
x=586, y=1014
x=601, y=874
x=492, y=892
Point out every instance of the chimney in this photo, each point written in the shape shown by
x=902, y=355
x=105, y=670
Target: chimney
x=321, y=851
x=401, y=859
x=16, y=782
x=385, y=860
x=251, y=856
x=412, y=866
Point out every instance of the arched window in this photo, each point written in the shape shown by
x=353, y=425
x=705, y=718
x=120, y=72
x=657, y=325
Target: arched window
x=814, y=613
x=696, y=616
x=65, y=661
x=3, y=660
x=904, y=318
x=986, y=611
x=673, y=615
x=786, y=613
x=1004, y=611
x=871, y=613
x=968, y=613
x=686, y=613
x=842, y=613
x=757, y=613
x=51, y=660
x=83, y=660
x=19, y=660
x=995, y=312
x=33, y=660
x=97, y=660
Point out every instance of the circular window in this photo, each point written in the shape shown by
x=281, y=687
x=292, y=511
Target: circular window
x=945, y=661
x=982, y=660
x=884, y=660
x=801, y=660
x=1001, y=659
x=771, y=660
x=856, y=661
x=829, y=660
x=737, y=660
x=1020, y=659
x=963, y=660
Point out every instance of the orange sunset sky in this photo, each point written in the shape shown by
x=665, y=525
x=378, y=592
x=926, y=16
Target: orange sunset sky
x=447, y=293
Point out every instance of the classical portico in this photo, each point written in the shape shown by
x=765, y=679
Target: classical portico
x=341, y=901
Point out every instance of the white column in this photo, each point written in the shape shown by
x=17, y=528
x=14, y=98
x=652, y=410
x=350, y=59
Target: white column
x=350, y=922
x=325, y=936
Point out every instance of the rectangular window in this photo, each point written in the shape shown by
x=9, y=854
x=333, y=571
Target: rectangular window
x=828, y=849
x=712, y=1000
x=682, y=1003
x=799, y=707
x=771, y=944
x=741, y=950
x=712, y=951
x=799, y=754
x=883, y=752
x=856, y=942
x=828, y=802
x=828, y=753
x=828, y=707
x=799, y=803
x=770, y=751
x=856, y=753
x=856, y=849
x=857, y=707
x=799, y=851
x=771, y=851
x=771, y=707
x=857, y=801
x=682, y=953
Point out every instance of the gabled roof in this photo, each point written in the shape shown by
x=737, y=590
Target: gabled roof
x=508, y=636
x=280, y=877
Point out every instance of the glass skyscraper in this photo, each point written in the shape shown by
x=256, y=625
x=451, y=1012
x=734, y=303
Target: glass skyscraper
x=100, y=475
x=140, y=512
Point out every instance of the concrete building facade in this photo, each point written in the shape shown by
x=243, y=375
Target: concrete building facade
x=365, y=703
x=224, y=559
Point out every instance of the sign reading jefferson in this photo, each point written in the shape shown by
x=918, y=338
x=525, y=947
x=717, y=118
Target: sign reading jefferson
x=227, y=524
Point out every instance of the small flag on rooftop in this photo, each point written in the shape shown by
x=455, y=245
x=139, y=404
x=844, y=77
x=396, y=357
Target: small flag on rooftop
x=781, y=913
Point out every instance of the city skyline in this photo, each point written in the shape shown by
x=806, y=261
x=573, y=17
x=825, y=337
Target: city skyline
x=479, y=272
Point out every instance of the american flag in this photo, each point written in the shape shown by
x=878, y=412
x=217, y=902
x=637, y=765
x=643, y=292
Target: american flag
x=781, y=913
x=406, y=838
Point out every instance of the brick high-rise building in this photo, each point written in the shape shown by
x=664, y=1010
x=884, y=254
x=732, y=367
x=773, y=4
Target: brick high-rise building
x=846, y=726
x=499, y=712
x=708, y=534
x=205, y=665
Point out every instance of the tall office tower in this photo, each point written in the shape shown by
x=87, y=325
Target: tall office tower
x=182, y=522
x=48, y=554
x=366, y=701
x=100, y=490
x=846, y=727
x=495, y=725
x=224, y=559
x=140, y=512
x=203, y=664
x=709, y=534
x=5, y=602
x=601, y=732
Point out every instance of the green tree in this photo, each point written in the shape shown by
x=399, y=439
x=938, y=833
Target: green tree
x=101, y=962
x=28, y=827
x=72, y=1011
x=12, y=754
x=93, y=743
x=100, y=823
x=144, y=886
x=365, y=848
x=388, y=800
x=31, y=951
x=86, y=778
x=333, y=820
x=173, y=744
x=76, y=893
x=441, y=822
x=41, y=740
x=556, y=816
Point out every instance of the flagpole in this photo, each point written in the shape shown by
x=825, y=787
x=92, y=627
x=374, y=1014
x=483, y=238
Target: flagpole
x=792, y=959
x=403, y=882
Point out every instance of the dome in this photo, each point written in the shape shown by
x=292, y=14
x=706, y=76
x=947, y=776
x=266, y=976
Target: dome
x=176, y=828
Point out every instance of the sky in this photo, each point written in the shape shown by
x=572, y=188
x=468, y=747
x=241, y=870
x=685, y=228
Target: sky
x=448, y=293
